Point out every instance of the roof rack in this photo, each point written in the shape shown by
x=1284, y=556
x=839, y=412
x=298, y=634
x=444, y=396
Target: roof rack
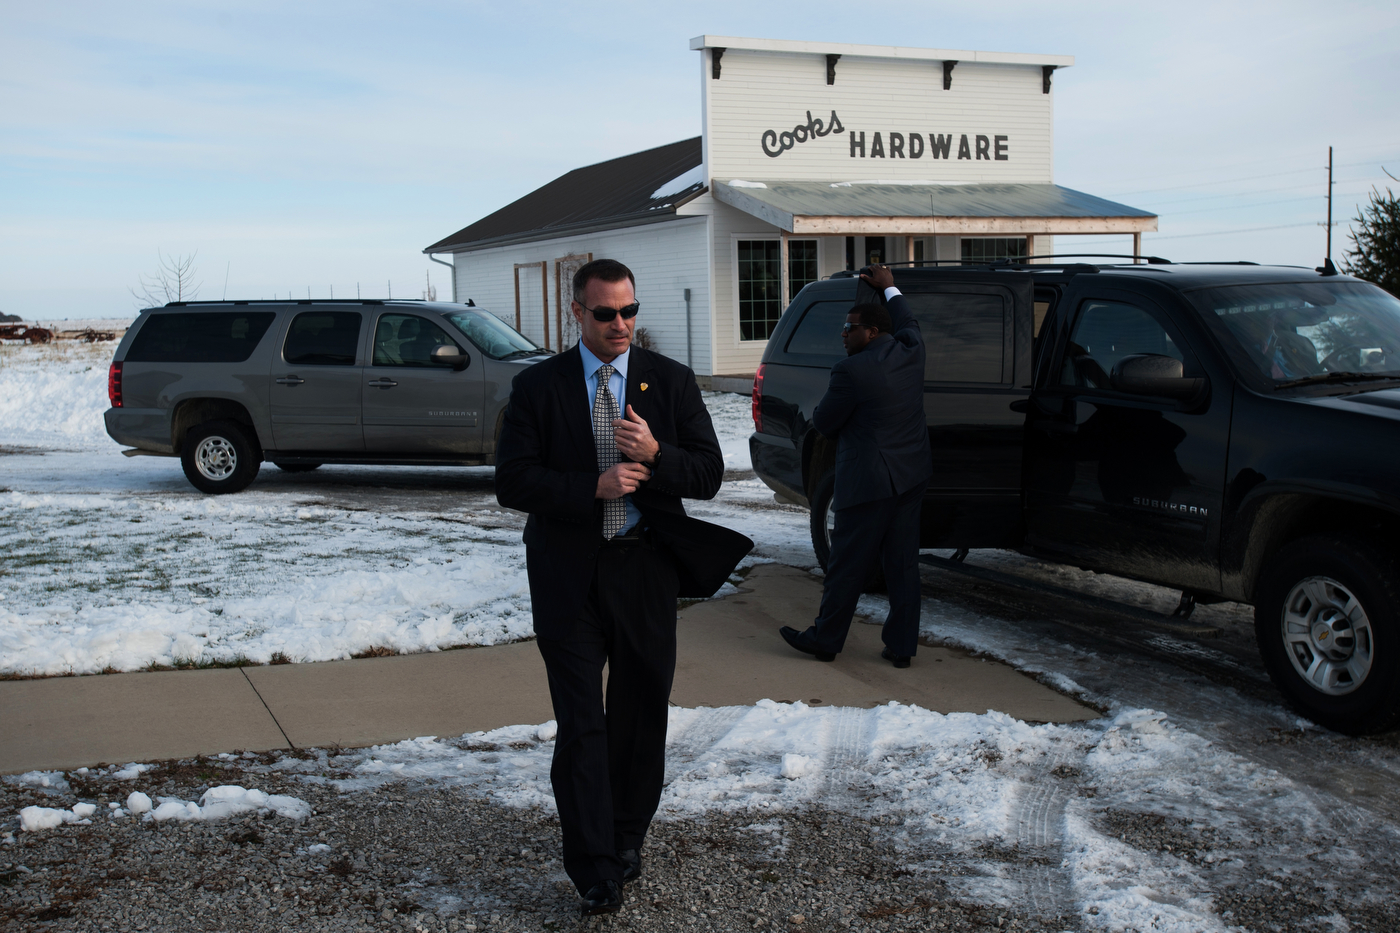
x=309, y=301
x=1012, y=262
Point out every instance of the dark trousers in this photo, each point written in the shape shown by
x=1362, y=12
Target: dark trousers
x=886, y=530
x=610, y=759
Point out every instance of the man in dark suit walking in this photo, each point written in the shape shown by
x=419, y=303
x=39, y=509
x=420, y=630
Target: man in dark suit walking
x=599, y=444
x=874, y=407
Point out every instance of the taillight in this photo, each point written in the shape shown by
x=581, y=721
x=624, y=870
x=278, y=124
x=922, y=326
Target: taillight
x=758, y=399
x=114, y=385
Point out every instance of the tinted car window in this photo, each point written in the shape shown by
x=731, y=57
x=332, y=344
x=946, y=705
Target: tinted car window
x=1293, y=330
x=407, y=340
x=323, y=338
x=491, y=335
x=819, y=331
x=964, y=336
x=1104, y=333
x=200, y=337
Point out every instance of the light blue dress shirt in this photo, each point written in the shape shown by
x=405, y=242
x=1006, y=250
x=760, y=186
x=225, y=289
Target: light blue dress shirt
x=617, y=384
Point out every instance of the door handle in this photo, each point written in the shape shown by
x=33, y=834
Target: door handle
x=290, y=381
x=383, y=383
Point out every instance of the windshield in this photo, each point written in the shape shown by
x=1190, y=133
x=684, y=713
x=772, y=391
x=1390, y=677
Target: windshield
x=1296, y=330
x=492, y=336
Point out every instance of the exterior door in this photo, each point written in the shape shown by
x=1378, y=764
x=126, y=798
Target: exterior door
x=413, y=406
x=315, y=390
x=1122, y=482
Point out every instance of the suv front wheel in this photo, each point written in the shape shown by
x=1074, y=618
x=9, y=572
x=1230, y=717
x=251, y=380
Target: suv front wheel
x=218, y=457
x=1327, y=625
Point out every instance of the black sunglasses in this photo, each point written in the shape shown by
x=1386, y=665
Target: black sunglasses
x=605, y=315
x=846, y=327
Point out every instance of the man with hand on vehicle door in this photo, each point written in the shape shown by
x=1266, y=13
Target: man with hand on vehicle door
x=599, y=444
x=874, y=408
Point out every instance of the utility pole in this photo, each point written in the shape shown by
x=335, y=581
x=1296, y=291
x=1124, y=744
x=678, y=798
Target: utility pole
x=1329, y=225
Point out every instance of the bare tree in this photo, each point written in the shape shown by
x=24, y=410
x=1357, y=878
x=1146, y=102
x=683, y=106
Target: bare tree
x=173, y=281
x=429, y=293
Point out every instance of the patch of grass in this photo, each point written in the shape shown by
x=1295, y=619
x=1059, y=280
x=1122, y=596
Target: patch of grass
x=377, y=651
x=206, y=664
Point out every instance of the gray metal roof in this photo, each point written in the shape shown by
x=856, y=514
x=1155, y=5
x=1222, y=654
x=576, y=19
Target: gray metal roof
x=818, y=207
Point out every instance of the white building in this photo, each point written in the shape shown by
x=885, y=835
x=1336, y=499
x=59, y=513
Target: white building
x=813, y=157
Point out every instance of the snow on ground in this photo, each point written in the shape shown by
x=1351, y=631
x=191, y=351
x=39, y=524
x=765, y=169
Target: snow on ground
x=116, y=564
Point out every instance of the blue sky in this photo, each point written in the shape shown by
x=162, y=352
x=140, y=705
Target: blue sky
x=320, y=145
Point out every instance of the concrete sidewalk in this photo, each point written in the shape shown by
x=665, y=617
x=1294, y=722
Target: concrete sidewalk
x=729, y=654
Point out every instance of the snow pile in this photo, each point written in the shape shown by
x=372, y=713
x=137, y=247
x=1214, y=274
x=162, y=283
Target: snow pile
x=688, y=179
x=217, y=803
x=48, y=401
x=32, y=819
x=52, y=782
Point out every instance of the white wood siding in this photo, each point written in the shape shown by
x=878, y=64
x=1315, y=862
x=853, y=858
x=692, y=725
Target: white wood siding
x=666, y=258
x=760, y=91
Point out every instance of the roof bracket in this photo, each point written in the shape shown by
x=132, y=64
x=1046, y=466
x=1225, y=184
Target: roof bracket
x=831, y=61
x=715, y=55
x=1045, y=72
x=948, y=67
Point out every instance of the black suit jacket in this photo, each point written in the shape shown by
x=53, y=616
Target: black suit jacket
x=874, y=407
x=547, y=465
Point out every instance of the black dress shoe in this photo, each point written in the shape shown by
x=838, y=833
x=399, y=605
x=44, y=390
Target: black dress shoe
x=804, y=642
x=605, y=897
x=898, y=660
x=631, y=864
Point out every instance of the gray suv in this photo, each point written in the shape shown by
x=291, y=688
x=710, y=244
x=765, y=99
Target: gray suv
x=224, y=385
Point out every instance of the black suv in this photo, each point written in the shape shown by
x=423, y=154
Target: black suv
x=1230, y=430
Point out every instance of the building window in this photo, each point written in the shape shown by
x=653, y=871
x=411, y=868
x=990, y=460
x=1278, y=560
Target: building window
x=985, y=249
x=760, y=298
x=802, y=265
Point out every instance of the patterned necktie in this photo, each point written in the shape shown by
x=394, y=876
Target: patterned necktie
x=605, y=412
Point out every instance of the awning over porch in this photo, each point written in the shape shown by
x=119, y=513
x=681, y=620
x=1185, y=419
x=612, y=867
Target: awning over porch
x=875, y=208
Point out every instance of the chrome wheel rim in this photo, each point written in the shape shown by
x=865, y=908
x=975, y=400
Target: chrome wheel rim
x=215, y=458
x=1327, y=636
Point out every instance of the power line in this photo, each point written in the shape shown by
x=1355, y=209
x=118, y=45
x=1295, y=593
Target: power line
x=1225, y=181
x=1186, y=236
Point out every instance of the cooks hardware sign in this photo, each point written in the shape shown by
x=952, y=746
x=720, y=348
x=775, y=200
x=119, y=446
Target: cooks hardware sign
x=889, y=144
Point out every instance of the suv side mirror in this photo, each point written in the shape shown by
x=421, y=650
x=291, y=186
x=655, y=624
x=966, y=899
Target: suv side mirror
x=448, y=354
x=1153, y=374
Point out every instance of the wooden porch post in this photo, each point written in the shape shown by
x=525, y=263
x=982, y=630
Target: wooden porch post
x=1137, y=248
x=783, y=270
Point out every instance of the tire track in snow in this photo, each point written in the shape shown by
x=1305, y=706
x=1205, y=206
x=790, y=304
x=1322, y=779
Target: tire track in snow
x=1038, y=816
x=847, y=739
x=691, y=743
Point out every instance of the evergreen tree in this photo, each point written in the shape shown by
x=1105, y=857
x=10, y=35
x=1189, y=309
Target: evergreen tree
x=1375, y=255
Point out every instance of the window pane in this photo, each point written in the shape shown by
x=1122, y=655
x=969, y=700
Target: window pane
x=985, y=249
x=802, y=264
x=819, y=331
x=323, y=338
x=407, y=340
x=964, y=336
x=760, y=301
x=1107, y=331
x=200, y=337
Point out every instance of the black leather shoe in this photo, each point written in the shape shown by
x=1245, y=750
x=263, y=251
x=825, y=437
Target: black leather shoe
x=804, y=642
x=898, y=660
x=631, y=864
x=605, y=897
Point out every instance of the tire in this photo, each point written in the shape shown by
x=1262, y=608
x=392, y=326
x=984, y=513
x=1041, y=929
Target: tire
x=296, y=467
x=821, y=522
x=1328, y=631
x=219, y=457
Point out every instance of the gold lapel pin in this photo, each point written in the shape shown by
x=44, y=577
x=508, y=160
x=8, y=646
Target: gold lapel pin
x=643, y=386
